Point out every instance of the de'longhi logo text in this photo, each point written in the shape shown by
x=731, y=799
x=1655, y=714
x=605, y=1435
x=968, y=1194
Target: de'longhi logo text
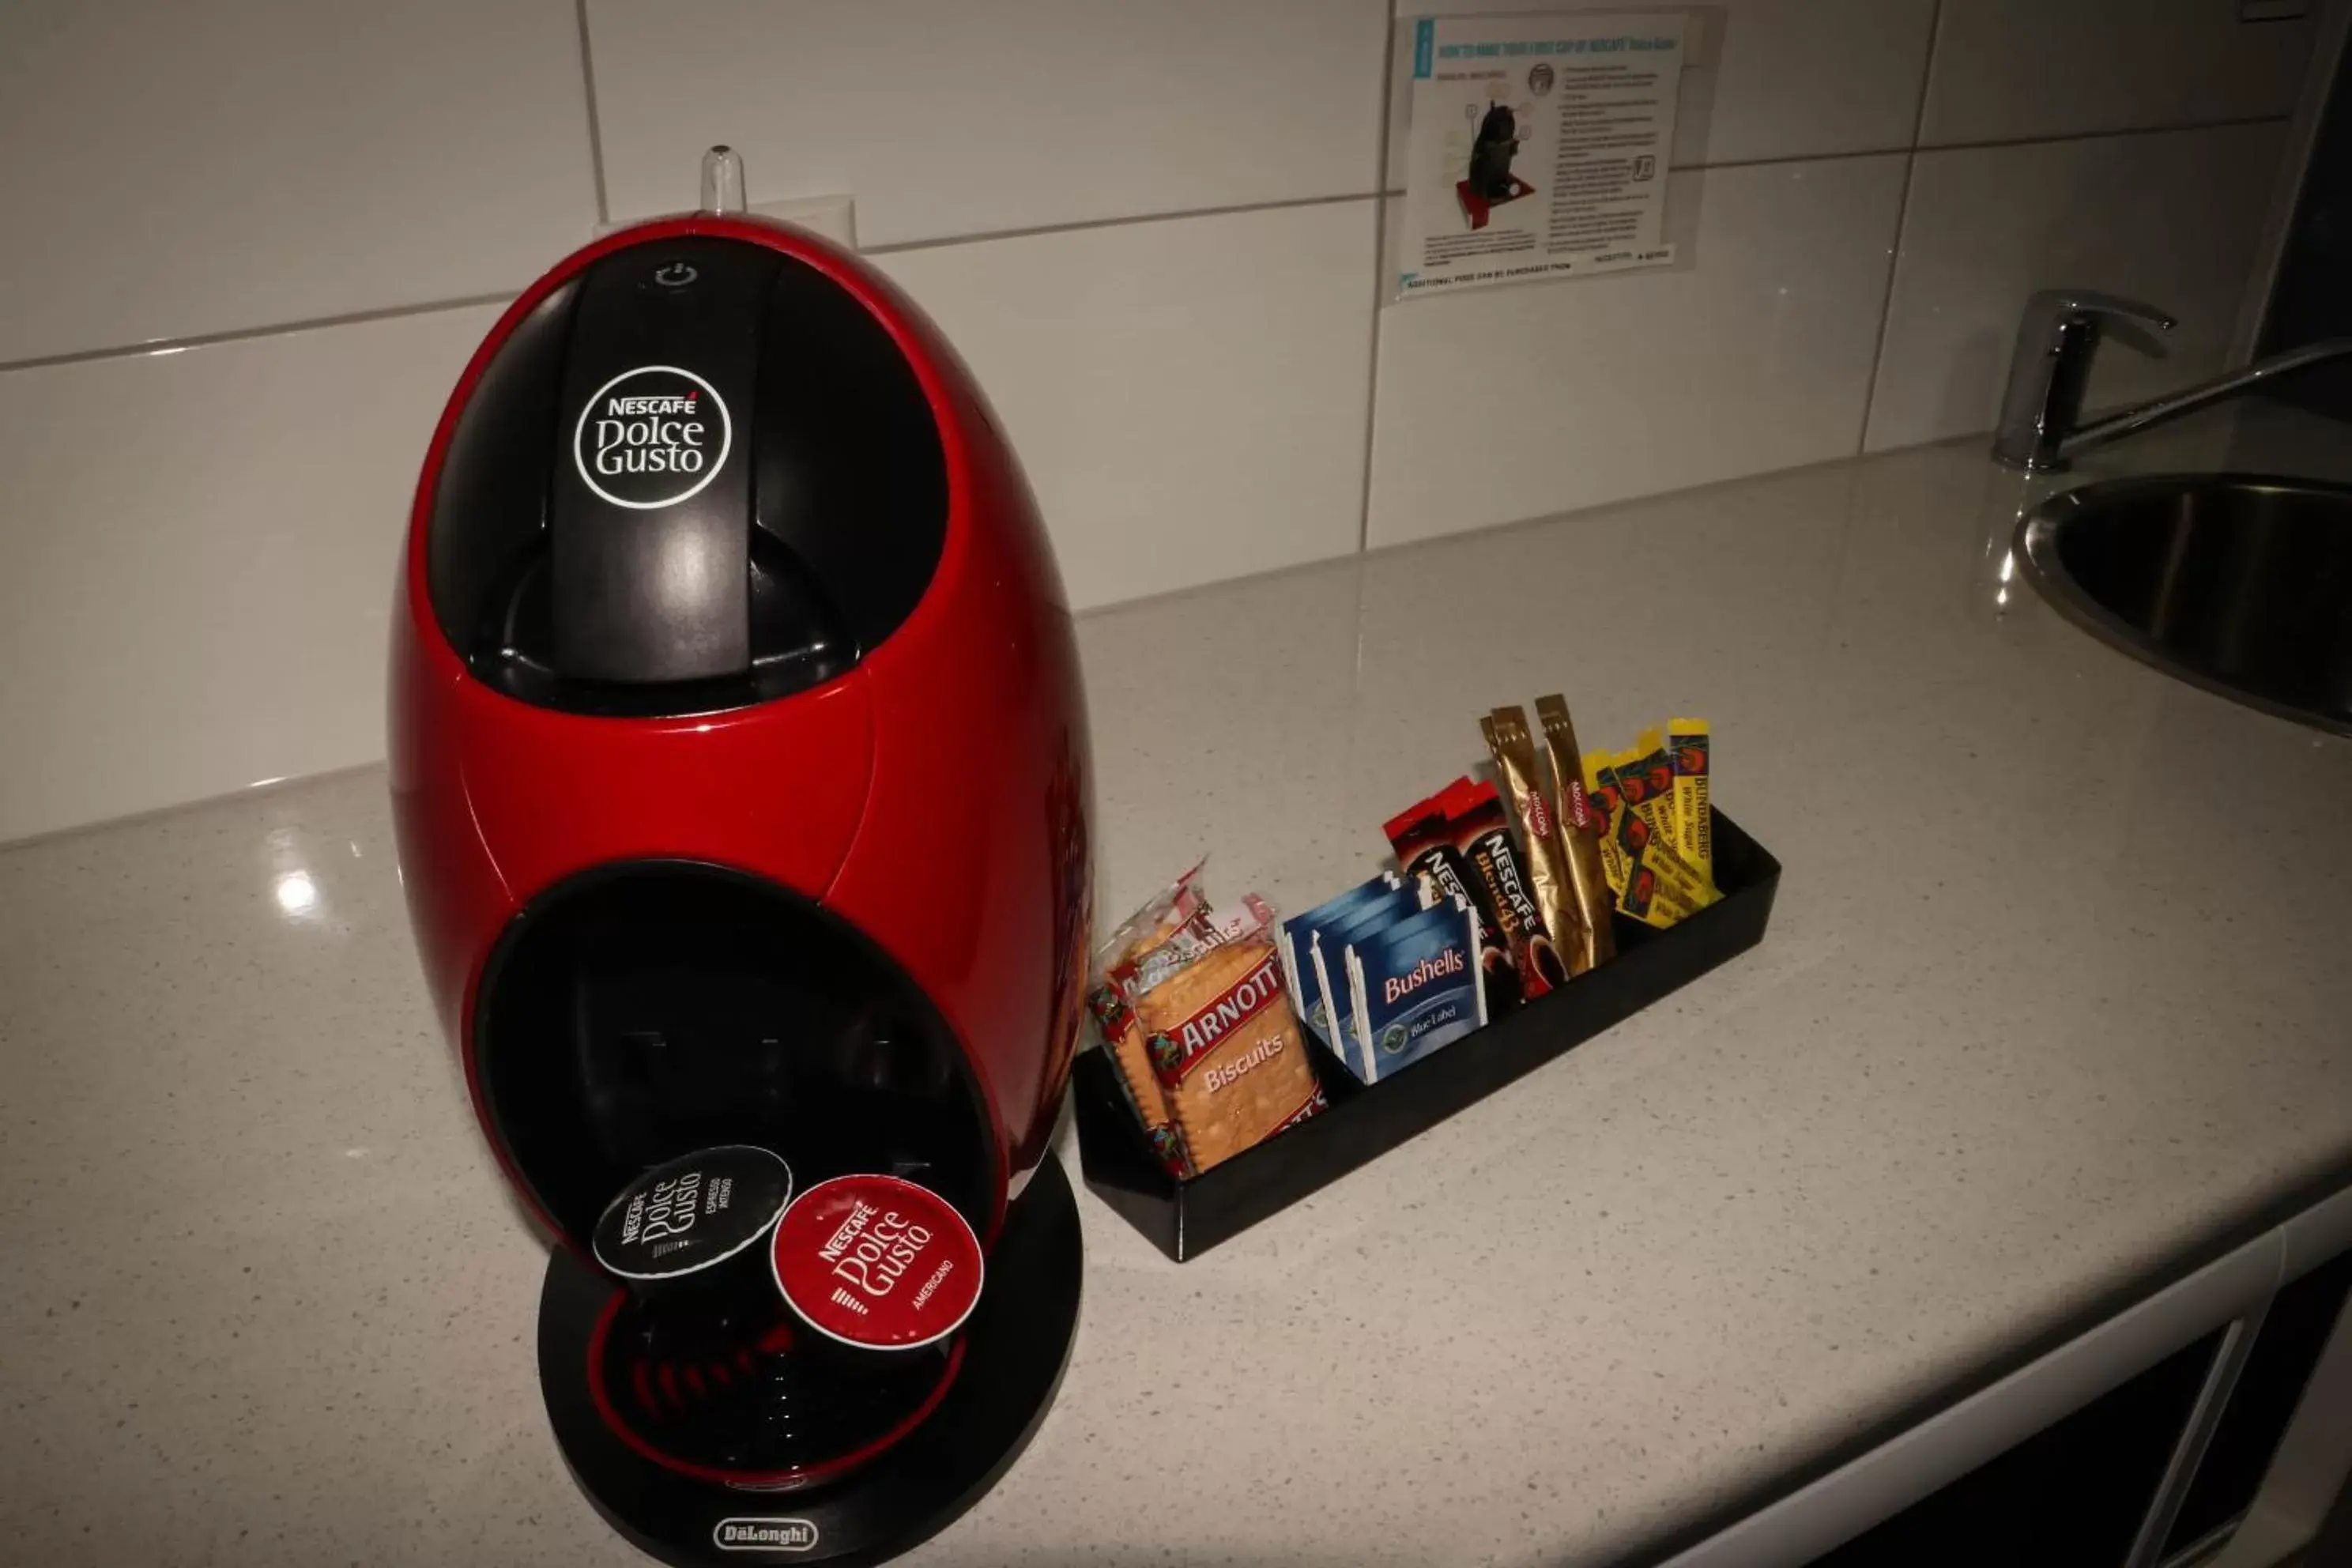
x=764, y=1535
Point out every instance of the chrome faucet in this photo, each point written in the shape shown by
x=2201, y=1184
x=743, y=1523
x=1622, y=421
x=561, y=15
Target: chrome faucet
x=2041, y=414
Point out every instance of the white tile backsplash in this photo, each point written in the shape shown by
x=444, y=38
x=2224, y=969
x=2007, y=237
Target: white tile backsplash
x=170, y=171
x=946, y=117
x=1144, y=223
x=1739, y=101
x=2005, y=69
x=2169, y=217
x=1753, y=351
x=196, y=558
x=1186, y=396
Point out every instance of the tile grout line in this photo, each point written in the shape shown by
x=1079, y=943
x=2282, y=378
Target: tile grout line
x=1397, y=193
x=1380, y=282
x=1533, y=519
x=2330, y=45
x=1904, y=148
x=1901, y=221
x=1191, y=591
x=595, y=130
x=147, y=814
x=1128, y=220
x=1841, y=155
x=392, y=312
x=240, y=334
x=1887, y=303
x=2234, y=122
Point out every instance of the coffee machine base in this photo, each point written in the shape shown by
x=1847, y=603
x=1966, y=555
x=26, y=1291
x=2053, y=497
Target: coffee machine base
x=1015, y=1345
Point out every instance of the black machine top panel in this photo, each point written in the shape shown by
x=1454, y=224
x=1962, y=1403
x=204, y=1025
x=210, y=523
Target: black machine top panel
x=651, y=509
x=699, y=475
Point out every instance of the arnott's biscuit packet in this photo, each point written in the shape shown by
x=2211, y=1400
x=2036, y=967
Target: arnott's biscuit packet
x=1152, y=924
x=1171, y=931
x=1205, y=927
x=1167, y=912
x=1123, y=1037
x=1226, y=1048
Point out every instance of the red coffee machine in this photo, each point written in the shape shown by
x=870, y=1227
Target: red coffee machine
x=739, y=766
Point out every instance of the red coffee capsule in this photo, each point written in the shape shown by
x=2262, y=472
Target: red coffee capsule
x=877, y=1263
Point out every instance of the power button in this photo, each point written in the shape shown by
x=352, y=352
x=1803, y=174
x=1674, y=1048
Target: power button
x=675, y=275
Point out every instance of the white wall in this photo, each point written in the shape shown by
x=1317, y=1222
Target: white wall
x=252, y=241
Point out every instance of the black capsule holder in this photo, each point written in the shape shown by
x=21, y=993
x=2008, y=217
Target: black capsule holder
x=1016, y=1344
x=1185, y=1217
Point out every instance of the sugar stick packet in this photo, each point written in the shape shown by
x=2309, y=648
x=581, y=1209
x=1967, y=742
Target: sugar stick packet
x=1689, y=742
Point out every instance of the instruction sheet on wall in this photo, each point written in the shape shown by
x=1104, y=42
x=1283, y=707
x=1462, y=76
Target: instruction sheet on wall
x=1537, y=147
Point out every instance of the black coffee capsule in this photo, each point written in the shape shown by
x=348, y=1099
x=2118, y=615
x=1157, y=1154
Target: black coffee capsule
x=681, y=1222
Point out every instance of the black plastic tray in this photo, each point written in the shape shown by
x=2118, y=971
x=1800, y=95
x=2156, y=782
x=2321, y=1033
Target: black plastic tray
x=1185, y=1218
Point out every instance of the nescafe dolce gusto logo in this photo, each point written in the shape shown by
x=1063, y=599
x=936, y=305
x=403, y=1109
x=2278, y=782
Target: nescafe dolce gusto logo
x=651, y=436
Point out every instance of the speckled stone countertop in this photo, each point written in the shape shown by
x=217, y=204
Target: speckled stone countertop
x=2055, y=997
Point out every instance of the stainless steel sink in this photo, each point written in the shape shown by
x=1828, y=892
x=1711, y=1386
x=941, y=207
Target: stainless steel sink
x=2238, y=583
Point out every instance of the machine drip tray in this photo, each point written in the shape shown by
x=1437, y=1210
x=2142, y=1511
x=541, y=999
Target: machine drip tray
x=1011, y=1353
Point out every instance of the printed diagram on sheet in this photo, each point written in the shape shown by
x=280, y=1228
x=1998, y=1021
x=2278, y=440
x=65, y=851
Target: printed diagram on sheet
x=1537, y=147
